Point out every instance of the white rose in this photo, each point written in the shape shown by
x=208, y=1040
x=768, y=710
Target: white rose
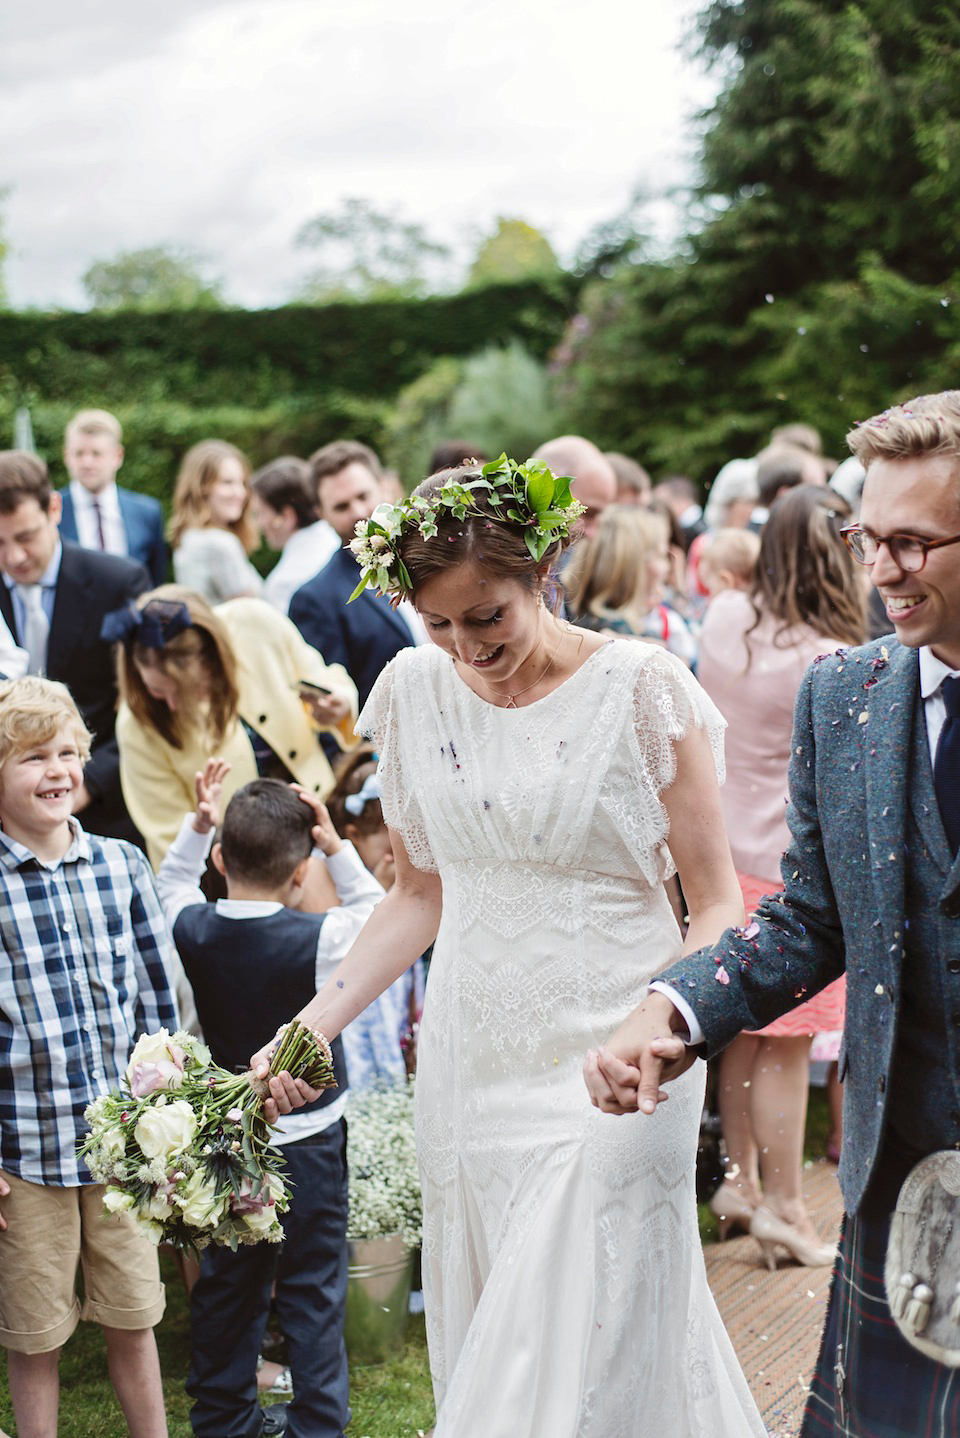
x=113, y=1143
x=200, y=1204
x=163, y=1132
x=116, y=1201
x=261, y=1221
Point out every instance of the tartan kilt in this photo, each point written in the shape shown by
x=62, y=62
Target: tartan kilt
x=888, y=1389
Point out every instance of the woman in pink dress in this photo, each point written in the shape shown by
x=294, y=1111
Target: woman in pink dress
x=807, y=599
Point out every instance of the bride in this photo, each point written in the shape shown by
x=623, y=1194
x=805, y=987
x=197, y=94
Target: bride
x=540, y=784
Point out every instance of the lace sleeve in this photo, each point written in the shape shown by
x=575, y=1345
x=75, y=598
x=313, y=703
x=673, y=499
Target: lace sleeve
x=382, y=721
x=667, y=703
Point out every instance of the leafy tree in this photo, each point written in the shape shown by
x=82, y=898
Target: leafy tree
x=372, y=255
x=823, y=255
x=158, y=278
x=515, y=251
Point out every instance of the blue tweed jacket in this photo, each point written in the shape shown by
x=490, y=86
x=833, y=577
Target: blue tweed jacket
x=843, y=908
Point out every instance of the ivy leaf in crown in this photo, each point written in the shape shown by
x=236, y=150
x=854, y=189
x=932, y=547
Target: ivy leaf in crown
x=525, y=494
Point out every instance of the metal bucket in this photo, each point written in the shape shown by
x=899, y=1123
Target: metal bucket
x=378, y=1297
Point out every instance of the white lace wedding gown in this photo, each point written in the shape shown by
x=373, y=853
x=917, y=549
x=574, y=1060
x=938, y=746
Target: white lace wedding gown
x=564, y=1283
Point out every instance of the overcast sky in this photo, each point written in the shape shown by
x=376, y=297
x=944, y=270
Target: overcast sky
x=223, y=125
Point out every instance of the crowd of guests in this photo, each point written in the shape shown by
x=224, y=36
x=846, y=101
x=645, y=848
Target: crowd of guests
x=175, y=714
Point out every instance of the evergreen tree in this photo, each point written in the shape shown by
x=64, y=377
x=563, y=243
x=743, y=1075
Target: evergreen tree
x=817, y=279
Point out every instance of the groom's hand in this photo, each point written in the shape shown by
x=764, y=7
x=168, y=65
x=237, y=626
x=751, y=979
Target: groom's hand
x=625, y=1074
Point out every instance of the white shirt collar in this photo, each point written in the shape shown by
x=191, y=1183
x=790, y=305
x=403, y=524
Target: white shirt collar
x=107, y=498
x=933, y=671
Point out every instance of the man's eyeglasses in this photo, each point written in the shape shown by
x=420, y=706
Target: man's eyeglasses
x=907, y=551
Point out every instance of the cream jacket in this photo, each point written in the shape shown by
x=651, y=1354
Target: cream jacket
x=158, y=780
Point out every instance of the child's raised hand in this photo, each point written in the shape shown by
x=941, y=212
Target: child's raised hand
x=208, y=783
x=325, y=836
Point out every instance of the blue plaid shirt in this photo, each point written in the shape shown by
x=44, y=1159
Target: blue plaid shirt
x=83, y=973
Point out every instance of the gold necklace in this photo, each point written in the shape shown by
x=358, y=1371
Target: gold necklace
x=512, y=698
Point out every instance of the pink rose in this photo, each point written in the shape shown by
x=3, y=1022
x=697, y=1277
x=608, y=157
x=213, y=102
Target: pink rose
x=156, y=1063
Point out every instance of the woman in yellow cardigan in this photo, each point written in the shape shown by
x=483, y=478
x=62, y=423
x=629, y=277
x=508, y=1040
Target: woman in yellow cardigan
x=196, y=681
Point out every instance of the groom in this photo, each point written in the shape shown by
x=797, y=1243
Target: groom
x=872, y=889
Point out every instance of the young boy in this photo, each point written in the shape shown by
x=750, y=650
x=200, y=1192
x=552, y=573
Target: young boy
x=84, y=971
x=254, y=958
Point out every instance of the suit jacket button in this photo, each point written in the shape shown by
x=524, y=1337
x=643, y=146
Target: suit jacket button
x=951, y=907
x=955, y=1020
x=953, y=966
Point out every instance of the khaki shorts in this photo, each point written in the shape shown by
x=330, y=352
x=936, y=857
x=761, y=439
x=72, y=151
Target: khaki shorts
x=49, y=1232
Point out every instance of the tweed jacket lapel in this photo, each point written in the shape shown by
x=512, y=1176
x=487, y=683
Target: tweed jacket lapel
x=923, y=795
x=889, y=703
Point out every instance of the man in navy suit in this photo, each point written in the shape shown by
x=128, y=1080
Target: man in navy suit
x=872, y=890
x=365, y=635
x=98, y=514
x=53, y=597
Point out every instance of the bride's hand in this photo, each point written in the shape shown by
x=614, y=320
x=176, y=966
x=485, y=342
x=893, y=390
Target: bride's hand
x=625, y=1074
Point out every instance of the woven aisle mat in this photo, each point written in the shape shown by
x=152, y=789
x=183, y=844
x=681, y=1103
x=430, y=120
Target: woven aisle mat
x=775, y=1319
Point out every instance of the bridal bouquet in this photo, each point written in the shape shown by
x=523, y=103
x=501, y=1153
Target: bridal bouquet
x=184, y=1147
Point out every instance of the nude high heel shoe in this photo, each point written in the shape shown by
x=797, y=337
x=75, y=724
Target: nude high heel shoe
x=770, y=1230
x=730, y=1209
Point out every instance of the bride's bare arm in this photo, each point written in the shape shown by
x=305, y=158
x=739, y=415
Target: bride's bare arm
x=402, y=926
x=645, y=1051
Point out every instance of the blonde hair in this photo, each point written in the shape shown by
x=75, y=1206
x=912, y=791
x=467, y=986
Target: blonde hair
x=929, y=424
x=94, y=421
x=733, y=549
x=199, y=471
x=31, y=712
x=205, y=646
x=608, y=574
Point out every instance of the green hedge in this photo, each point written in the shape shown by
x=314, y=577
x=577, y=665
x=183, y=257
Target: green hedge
x=271, y=381
x=250, y=357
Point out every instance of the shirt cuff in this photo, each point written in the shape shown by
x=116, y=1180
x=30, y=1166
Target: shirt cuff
x=190, y=845
x=344, y=864
x=684, y=1010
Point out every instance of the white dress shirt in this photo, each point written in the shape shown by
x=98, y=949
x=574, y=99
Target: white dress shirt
x=178, y=880
x=933, y=671
x=88, y=533
x=304, y=555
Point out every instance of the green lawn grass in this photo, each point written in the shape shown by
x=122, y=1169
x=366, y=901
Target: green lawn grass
x=391, y=1401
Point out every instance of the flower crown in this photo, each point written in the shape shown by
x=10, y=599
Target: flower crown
x=528, y=494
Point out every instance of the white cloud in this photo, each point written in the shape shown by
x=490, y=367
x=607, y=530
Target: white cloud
x=224, y=126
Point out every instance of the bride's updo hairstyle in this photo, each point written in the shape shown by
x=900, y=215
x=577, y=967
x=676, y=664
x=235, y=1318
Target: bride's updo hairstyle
x=487, y=537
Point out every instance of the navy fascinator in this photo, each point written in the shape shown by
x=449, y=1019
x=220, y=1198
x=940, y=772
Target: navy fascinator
x=153, y=626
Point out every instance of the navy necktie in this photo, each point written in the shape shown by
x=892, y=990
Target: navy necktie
x=946, y=767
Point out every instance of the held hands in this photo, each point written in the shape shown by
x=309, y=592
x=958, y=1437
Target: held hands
x=4, y=1190
x=325, y=836
x=208, y=783
x=625, y=1074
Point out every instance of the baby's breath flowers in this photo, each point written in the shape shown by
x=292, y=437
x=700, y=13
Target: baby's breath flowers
x=382, y=1162
x=528, y=495
x=184, y=1148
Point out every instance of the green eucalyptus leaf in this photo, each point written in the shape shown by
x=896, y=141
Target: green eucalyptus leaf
x=359, y=590
x=533, y=544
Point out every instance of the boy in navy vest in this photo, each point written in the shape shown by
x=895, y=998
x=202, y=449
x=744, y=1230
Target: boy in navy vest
x=249, y=957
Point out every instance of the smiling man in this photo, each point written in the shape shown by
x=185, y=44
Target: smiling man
x=872, y=889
